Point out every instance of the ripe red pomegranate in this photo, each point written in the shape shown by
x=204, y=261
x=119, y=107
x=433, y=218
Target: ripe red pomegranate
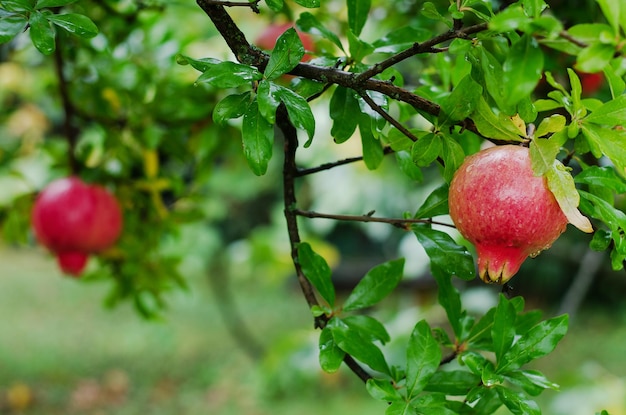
x=591, y=82
x=74, y=219
x=508, y=213
x=267, y=39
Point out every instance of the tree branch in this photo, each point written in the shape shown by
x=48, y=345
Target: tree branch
x=398, y=222
x=342, y=162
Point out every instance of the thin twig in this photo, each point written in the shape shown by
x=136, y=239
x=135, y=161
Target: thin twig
x=332, y=164
x=567, y=36
x=398, y=222
x=71, y=133
x=373, y=105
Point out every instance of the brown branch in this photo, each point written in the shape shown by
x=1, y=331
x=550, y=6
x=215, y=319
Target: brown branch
x=342, y=162
x=373, y=105
x=254, y=5
x=70, y=131
x=400, y=223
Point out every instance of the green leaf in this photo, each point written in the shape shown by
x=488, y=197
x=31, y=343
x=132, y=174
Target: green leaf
x=426, y=150
x=550, y=125
x=610, y=142
x=446, y=254
x=436, y=203
x=10, y=26
x=616, y=83
x=595, y=58
x=310, y=4
x=369, y=328
x=561, y=184
x=52, y=3
x=298, y=111
x=452, y=382
x=331, y=356
x=258, y=139
x=406, y=165
x=543, y=152
x=503, y=328
x=453, y=156
x=287, y=54
x=423, y=358
x=510, y=19
x=358, y=48
x=18, y=5
x=532, y=381
x=77, y=24
x=450, y=299
x=522, y=69
x=357, y=346
x=372, y=149
x=462, y=101
x=495, y=126
x=309, y=23
x=201, y=65
x=343, y=107
x=429, y=10
x=611, y=113
x=400, y=408
x=611, y=10
x=537, y=342
x=358, y=11
x=517, y=403
x=600, y=209
x=602, y=176
x=232, y=106
x=382, y=390
x=375, y=285
x=229, y=75
x=316, y=270
x=41, y=33
x=601, y=240
x=275, y=5
x=534, y=8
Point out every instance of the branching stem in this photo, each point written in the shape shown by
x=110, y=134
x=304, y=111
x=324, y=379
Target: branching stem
x=398, y=222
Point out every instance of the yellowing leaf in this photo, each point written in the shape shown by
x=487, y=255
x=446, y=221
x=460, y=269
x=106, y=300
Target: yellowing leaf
x=519, y=123
x=561, y=184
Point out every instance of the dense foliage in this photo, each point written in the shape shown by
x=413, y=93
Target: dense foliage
x=156, y=107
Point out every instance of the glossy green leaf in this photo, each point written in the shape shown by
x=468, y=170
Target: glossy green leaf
x=600, y=209
x=369, y=328
x=550, y=125
x=510, y=19
x=357, y=346
x=605, y=177
x=375, y=285
x=495, y=126
x=41, y=33
x=452, y=155
x=503, y=328
x=423, y=358
x=287, y=54
x=517, y=403
x=258, y=139
x=532, y=381
x=371, y=147
x=595, y=57
x=475, y=362
x=426, y=150
x=309, y=23
x=522, y=69
x=343, y=107
x=382, y=390
x=358, y=11
x=406, y=165
x=229, y=75
x=452, y=382
x=436, y=203
x=358, y=48
x=10, y=26
x=534, y=8
x=310, y=4
x=201, y=65
x=430, y=11
x=452, y=258
x=400, y=408
x=450, y=299
x=611, y=113
x=601, y=240
x=298, y=111
x=561, y=184
x=331, y=356
x=232, y=106
x=610, y=142
x=275, y=5
x=77, y=24
x=612, y=12
x=316, y=270
x=52, y=3
x=537, y=342
x=543, y=152
x=18, y=5
x=462, y=101
x=616, y=83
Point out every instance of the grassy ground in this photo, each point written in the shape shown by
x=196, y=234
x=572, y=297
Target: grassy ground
x=61, y=352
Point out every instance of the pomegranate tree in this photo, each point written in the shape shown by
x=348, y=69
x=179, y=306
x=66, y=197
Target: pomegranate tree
x=504, y=210
x=74, y=219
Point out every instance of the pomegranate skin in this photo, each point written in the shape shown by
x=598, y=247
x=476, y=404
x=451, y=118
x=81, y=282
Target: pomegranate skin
x=267, y=38
x=70, y=216
x=72, y=263
x=508, y=213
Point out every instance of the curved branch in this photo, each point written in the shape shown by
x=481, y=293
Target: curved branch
x=342, y=162
x=398, y=222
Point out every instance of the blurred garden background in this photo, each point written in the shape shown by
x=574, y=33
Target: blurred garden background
x=236, y=337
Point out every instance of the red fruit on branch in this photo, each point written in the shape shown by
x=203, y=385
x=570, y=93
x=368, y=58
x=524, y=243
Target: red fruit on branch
x=74, y=219
x=591, y=82
x=508, y=213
